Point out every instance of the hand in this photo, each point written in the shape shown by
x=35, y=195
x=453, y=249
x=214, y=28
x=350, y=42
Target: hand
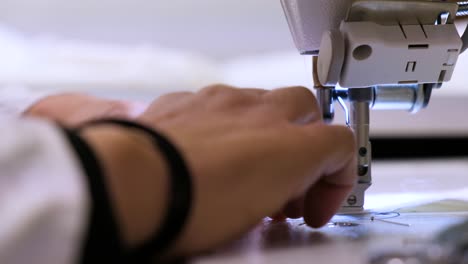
x=251, y=152
x=72, y=109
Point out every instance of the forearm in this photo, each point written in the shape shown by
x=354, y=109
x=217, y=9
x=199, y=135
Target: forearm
x=136, y=176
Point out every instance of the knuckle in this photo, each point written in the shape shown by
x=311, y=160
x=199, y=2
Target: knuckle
x=174, y=95
x=216, y=89
x=224, y=96
x=119, y=107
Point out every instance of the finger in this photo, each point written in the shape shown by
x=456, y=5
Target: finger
x=279, y=217
x=71, y=109
x=324, y=199
x=296, y=104
x=295, y=208
x=338, y=175
x=336, y=147
x=310, y=151
x=325, y=159
x=59, y=105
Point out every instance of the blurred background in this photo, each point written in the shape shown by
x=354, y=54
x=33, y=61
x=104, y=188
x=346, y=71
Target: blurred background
x=219, y=29
x=163, y=44
x=138, y=49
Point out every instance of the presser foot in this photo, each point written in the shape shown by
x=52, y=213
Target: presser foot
x=354, y=204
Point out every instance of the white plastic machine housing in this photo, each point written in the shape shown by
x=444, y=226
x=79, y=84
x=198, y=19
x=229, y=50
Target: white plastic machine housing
x=309, y=19
x=403, y=54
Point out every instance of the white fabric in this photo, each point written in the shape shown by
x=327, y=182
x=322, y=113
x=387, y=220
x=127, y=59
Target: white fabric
x=14, y=100
x=43, y=197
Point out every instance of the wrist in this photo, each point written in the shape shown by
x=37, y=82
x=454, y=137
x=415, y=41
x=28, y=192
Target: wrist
x=136, y=176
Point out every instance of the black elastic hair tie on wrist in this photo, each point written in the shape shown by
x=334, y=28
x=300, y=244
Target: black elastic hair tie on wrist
x=180, y=195
x=102, y=243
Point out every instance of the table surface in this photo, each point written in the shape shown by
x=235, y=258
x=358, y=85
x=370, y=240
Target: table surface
x=429, y=197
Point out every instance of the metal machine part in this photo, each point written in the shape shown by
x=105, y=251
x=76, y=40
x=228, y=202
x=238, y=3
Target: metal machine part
x=395, y=12
x=463, y=12
x=360, y=100
x=387, y=54
x=325, y=97
x=390, y=90
x=462, y=9
x=387, y=97
x=410, y=98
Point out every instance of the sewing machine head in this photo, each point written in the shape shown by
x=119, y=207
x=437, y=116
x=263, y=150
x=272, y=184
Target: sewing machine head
x=376, y=54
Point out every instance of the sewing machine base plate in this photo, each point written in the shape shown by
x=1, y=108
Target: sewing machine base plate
x=346, y=239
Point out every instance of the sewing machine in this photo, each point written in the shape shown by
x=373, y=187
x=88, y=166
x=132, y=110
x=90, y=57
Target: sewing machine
x=376, y=54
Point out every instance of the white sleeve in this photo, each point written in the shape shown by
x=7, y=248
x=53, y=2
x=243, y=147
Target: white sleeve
x=44, y=200
x=14, y=100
